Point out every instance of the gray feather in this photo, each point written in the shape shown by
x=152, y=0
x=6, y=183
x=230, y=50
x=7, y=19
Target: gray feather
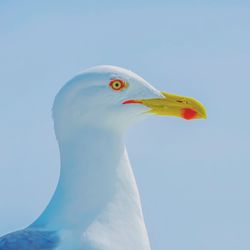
x=29, y=240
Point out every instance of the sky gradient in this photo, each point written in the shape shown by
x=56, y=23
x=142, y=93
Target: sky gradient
x=193, y=176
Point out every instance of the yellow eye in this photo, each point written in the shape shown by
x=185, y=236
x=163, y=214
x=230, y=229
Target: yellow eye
x=118, y=84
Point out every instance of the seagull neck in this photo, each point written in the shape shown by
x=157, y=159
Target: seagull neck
x=89, y=162
x=91, y=154
x=94, y=172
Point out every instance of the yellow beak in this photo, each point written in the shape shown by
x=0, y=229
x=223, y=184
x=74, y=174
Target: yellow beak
x=174, y=105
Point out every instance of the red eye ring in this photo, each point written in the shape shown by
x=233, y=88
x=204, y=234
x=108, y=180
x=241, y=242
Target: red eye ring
x=118, y=84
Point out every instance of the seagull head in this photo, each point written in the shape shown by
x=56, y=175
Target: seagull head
x=113, y=97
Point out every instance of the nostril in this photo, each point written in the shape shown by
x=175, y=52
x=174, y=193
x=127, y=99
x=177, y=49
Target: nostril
x=180, y=101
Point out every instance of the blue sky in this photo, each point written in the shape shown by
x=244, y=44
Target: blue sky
x=193, y=176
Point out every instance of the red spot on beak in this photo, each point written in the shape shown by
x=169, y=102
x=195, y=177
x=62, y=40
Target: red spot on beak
x=188, y=113
x=131, y=101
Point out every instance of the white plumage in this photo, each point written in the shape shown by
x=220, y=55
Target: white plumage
x=96, y=205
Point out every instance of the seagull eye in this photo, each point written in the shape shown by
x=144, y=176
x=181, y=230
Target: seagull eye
x=118, y=84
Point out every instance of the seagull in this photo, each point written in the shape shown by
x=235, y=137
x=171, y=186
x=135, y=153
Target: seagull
x=96, y=205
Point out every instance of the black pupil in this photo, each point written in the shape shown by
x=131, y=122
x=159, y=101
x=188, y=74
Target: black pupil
x=117, y=84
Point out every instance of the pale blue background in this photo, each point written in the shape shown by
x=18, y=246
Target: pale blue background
x=194, y=177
